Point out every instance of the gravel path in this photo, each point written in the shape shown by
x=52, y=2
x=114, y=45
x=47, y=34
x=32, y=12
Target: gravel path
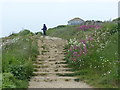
x=51, y=70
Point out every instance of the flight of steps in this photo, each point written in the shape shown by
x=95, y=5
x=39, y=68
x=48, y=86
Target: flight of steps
x=51, y=70
x=50, y=64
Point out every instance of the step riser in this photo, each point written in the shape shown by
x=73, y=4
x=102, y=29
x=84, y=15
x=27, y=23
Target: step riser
x=45, y=74
x=41, y=66
x=50, y=62
x=49, y=70
x=49, y=80
x=53, y=72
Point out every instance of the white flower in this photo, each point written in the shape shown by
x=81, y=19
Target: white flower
x=84, y=45
x=104, y=73
x=109, y=72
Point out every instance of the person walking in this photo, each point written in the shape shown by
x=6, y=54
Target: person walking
x=44, y=29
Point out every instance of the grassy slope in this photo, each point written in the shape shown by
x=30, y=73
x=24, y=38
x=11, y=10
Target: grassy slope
x=66, y=32
x=97, y=77
x=93, y=77
x=17, y=59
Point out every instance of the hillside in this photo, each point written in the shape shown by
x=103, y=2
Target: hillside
x=66, y=32
x=90, y=52
x=19, y=50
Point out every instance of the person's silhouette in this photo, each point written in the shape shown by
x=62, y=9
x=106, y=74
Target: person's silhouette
x=44, y=29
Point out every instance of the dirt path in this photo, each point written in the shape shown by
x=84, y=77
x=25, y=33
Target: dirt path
x=51, y=71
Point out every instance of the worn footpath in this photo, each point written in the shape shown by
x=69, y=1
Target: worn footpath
x=51, y=70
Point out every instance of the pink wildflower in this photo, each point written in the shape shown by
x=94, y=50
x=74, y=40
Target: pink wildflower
x=74, y=59
x=75, y=47
x=74, y=53
x=83, y=41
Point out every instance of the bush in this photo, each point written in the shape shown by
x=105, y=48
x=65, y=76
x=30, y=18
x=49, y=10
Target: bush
x=8, y=81
x=17, y=59
x=25, y=32
x=22, y=72
x=61, y=26
x=13, y=35
x=38, y=33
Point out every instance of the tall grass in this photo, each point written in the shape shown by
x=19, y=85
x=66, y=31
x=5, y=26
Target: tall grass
x=17, y=60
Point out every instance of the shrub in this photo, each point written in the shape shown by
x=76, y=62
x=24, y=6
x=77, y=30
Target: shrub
x=61, y=26
x=13, y=35
x=38, y=33
x=22, y=72
x=25, y=32
x=8, y=81
x=17, y=59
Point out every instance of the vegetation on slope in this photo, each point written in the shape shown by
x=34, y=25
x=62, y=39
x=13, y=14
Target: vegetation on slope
x=18, y=53
x=65, y=32
x=93, y=53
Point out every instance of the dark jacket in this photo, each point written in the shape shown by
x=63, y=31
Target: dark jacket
x=44, y=27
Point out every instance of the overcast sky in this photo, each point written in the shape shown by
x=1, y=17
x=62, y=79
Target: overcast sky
x=32, y=14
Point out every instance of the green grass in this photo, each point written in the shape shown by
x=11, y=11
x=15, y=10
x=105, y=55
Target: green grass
x=99, y=76
x=0, y=80
x=65, y=32
x=17, y=60
x=68, y=32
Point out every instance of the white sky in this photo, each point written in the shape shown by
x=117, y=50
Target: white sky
x=32, y=14
x=59, y=0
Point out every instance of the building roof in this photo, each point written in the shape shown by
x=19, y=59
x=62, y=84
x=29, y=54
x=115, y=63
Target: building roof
x=76, y=19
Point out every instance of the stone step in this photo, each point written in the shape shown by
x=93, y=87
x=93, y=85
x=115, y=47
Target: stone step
x=50, y=62
x=61, y=66
x=45, y=77
x=52, y=78
x=56, y=62
x=46, y=73
x=60, y=53
x=47, y=64
x=53, y=69
x=50, y=57
x=41, y=66
x=53, y=66
x=42, y=56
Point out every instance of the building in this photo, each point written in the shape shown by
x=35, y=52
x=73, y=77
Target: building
x=76, y=21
